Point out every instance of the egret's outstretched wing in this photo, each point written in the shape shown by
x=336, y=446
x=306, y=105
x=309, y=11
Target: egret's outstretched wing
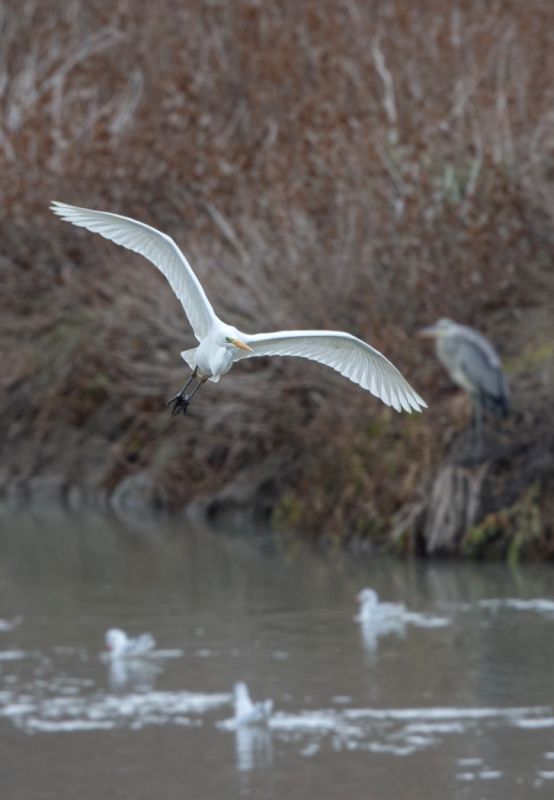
x=350, y=356
x=158, y=248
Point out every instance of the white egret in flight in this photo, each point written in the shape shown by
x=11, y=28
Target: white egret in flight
x=220, y=345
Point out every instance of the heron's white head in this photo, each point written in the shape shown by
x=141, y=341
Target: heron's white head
x=229, y=338
x=443, y=327
x=116, y=640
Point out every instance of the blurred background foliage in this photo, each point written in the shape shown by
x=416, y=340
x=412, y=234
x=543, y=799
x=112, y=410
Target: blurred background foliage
x=366, y=166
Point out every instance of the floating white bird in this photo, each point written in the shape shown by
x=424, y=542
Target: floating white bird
x=371, y=608
x=246, y=711
x=220, y=344
x=378, y=619
x=122, y=646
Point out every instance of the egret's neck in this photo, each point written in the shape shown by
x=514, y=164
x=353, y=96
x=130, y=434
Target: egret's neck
x=213, y=359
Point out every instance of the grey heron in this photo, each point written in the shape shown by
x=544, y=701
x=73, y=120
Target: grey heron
x=221, y=345
x=473, y=364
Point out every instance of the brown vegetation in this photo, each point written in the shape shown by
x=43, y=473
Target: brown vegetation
x=366, y=166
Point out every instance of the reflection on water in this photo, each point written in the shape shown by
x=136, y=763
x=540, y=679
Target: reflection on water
x=455, y=699
x=9, y=624
x=254, y=747
x=136, y=675
x=372, y=630
x=69, y=706
x=383, y=619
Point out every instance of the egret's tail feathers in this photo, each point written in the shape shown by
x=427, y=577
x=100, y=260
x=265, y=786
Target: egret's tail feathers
x=190, y=357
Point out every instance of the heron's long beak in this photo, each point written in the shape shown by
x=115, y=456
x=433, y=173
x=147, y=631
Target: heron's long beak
x=429, y=332
x=241, y=345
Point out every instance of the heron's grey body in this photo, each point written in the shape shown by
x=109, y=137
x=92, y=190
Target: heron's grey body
x=473, y=364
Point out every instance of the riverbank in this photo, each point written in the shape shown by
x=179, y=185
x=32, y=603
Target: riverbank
x=403, y=484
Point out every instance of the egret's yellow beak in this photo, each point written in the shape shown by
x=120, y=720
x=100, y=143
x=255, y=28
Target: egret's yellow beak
x=241, y=345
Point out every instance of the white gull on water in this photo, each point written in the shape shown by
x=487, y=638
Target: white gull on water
x=122, y=646
x=251, y=725
x=381, y=619
x=373, y=610
x=248, y=712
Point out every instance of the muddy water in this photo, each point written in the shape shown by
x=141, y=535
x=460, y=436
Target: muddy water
x=451, y=698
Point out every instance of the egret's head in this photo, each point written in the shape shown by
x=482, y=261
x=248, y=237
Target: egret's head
x=444, y=327
x=231, y=340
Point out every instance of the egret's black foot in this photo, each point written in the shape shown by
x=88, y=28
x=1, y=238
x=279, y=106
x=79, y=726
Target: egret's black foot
x=179, y=403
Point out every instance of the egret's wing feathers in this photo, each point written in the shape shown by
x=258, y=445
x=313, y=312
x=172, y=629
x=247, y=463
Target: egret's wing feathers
x=158, y=248
x=348, y=355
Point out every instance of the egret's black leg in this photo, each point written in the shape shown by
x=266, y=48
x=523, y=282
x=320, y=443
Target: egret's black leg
x=189, y=397
x=180, y=402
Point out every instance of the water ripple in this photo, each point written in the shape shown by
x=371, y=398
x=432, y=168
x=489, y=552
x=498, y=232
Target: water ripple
x=107, y=711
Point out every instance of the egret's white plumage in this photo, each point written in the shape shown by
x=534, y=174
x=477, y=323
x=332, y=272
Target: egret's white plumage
x=220, y=344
